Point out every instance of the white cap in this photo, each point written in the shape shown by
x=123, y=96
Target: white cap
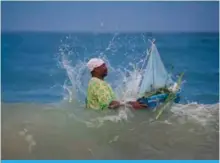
x=94, y=63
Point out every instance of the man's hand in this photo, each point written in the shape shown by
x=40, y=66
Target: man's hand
x=134, y=104
x=114, y=104
x=137, y=105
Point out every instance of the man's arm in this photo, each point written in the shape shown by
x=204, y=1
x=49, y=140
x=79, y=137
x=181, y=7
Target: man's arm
x=133, y=104
x=106, y=98
x=114, y=105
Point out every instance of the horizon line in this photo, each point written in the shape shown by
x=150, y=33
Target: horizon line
x=86, y=31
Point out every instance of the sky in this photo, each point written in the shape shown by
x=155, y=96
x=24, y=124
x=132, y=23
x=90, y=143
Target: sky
x=115, y=16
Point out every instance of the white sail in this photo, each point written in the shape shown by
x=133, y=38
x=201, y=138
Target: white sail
x=154, y=75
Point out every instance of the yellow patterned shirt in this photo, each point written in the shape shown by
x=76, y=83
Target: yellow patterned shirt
x=99, y=94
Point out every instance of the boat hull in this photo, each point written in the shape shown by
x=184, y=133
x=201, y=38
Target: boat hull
x=155, y=100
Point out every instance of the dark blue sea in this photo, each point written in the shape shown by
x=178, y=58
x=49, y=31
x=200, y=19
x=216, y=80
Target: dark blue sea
x=30, y=70
x=44, y=76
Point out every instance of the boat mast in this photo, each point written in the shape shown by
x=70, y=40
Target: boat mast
x=152, y=46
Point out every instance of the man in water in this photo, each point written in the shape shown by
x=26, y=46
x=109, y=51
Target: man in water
x=100, y=94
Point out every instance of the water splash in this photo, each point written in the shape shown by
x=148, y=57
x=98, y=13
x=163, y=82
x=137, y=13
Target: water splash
x=124, y=80
x=78, y=75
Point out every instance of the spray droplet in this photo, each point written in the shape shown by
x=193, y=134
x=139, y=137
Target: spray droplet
x=101, y=24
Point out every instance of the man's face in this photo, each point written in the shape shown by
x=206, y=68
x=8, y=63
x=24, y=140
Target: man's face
x=102, y=70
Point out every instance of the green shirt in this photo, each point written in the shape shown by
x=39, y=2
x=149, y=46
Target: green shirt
x=99, y=94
